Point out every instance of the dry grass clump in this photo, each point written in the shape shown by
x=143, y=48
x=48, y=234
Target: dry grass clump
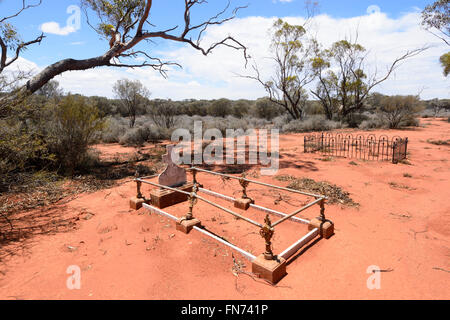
x=407, y=175
x=396, y=185
x=439, y=142
x=334, y=193
x=285, y=178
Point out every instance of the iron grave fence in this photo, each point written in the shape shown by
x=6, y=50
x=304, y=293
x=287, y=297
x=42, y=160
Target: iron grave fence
x=360, y=147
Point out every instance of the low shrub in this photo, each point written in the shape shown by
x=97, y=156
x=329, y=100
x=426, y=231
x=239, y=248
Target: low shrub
x=374, y=123
x=439, y=142
x=135, y=137
x=72, y=129
x=410, y=122
x=356, y=119
x=91, y=159
x=400, y=111
x=115, y=129
x=335, y=194
x=140, y=135
x=313, y=123
x=282, y=120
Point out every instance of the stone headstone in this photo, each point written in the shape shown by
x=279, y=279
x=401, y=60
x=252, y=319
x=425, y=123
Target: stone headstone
x=173, y=176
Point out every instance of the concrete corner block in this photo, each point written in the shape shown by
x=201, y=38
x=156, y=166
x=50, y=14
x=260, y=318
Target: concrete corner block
x=186, y=226
x=136, y=203
x=243, y=204
x=270, y=270
x=326, y=228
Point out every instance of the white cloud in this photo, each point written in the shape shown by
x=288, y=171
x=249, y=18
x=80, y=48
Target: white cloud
x=24, y=65
x=214, y=76
x=54, y=28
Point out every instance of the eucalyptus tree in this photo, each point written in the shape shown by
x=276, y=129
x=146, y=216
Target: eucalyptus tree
x=123, y=25
x=436, y=19
x=344, y=81
x=132, y=94
x=50, y=90
x=291, y=52
x=399, y=110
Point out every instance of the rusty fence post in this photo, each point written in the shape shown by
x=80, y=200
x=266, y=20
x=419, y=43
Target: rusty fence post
x=394, y=151
x=138, y=186
x=406, y=148
x=322, y=210
x=267, y=232
x=192, y=201
x=194, y=176
x=244, y=184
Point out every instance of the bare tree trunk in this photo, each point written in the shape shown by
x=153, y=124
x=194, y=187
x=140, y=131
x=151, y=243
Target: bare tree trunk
x=62, y=66
x=54, y=70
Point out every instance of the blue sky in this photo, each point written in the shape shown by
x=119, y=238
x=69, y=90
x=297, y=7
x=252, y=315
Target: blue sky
x=84, y=43
x=57, y=47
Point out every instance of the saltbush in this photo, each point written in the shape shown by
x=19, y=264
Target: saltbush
x=71, y=129
x=313, y=123
x=114, y=130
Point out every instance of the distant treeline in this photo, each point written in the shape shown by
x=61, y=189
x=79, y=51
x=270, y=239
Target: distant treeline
x=261, y=108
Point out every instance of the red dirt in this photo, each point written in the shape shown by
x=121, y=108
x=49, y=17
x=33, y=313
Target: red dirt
x=134, y=255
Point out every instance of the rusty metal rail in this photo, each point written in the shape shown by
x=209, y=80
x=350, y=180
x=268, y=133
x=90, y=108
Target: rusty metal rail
x=254, y=206
x=296, y=212
x=257, y=182
x=267, y=229
x=248, y=255
x=193, y=194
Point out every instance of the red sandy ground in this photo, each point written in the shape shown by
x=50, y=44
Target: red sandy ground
x=137, y=255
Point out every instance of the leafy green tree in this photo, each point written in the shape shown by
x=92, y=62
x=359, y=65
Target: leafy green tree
x=240, y=108
x=72, y=129
x=105, y=105
x=438, y=105
x=327, y=90
x=23, y=147
x=399, y=110
x=266, y=109
x=122, y=24
x=195, y=107
x=220, y=108
x=163, y=113
x=344, y=85
x=436, y=19
x=132, y=94
x=291, y=52
x=50, y=90
x=445, y=62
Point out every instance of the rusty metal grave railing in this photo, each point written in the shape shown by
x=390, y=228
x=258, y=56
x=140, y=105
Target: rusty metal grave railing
x=266, y=229
x=359, y=147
